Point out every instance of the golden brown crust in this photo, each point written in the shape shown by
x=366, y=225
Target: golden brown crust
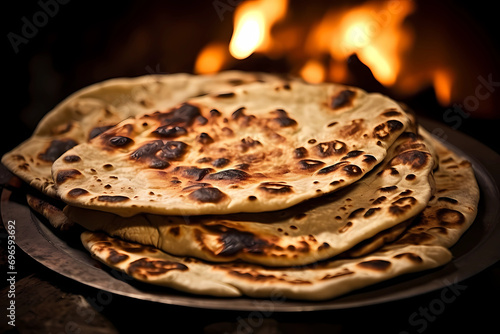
x=96, y=108
x=423, y=246
x=276, y=146
x=373, y=209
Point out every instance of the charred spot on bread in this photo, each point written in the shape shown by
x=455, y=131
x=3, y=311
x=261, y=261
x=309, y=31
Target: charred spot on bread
x=330, y=148
x=72, y=158
x=220, y=162
x=183, y=115
x=282, y=119
x=98, y=130
x=376, y=265
x=147, y=150
x=275, y=188
x=56, y=148
x=172, y=150
x=145, y=267
x=384, y=130
x=77, y=192
x=238, y=113
x=300, y=152
x=120, y=141
x=170, y=131
x=417, y=159
x=112, y=199
x=352, y=154
x=352, y=170
x=309, y=164
x=207, y=195
x=391, y=112
x=193, y=173
x=225, y=95
x=230, y=174
x=204, y=138
x=343, y=99
x=66, y=174
x=332, y=168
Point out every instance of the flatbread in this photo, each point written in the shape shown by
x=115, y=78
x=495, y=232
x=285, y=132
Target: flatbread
x=93, y=109
x=52, y=213
x=453, y=207
x=422, y=247
x=449, y=213
x=394, y=192
x=260, y=147
x=380, y=239
x=318, y=282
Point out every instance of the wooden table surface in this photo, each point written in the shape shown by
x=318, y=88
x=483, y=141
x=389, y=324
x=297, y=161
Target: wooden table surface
x=47, y=302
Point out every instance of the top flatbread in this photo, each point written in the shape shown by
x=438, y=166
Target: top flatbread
x=93, y=109
x=258, y=147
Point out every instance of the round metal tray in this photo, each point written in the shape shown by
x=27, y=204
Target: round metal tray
x=474, y=252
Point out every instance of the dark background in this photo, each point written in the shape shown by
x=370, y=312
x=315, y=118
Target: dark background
x=84, y=42
x=89, y=41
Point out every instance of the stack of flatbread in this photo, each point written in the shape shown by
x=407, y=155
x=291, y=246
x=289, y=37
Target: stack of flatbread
x=248, y=184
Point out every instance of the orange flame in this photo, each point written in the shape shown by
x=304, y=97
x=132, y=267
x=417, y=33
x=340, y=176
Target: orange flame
x=211, y=59
x=443, y=81
x=313, y=71
x=373, y=30
x=378, y=32
x=253, y=21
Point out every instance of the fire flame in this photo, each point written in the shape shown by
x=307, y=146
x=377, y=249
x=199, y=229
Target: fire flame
x=253, y=21
x=443, y=86
x=373, y=30
x=211, y=58
x=313, y=71
x=248, y=35
x=376, y=31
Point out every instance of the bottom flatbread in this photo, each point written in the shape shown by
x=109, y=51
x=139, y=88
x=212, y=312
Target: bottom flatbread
x=314, y=282
x=423, y=246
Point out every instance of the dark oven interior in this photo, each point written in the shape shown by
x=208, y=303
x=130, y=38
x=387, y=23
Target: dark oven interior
x=441, y=59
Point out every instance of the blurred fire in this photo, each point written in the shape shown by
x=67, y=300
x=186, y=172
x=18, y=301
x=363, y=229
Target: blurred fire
x=253, y=21
x=211, y=59
x=319, y=46
x=443, y=86
x=313, y=71
x=373, y=30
